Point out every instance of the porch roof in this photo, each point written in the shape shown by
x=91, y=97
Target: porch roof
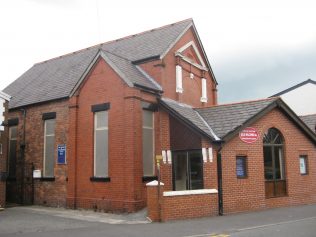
x=222, y=122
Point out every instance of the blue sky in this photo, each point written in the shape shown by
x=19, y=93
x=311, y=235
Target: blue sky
x=256, y=48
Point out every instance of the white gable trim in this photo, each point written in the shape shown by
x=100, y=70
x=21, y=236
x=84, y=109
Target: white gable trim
x=5, y=96
x=188, y=45
x=190, y=62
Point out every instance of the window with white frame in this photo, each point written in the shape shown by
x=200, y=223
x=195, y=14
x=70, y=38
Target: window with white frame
x=148, y=142
x=49, y=147
x=101, y=144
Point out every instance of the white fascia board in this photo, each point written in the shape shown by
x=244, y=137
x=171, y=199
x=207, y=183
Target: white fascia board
x=191, y=43
x=5, y=96
x=189, y=192
x=208, y=126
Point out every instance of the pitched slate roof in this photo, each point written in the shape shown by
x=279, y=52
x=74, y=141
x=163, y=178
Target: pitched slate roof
x=187, y=114
x=224, y=119
x=295, y=87
x=222, y=122
x=58, y=77
x=310, y=121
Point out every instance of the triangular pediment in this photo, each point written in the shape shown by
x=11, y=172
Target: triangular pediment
x=191, y=53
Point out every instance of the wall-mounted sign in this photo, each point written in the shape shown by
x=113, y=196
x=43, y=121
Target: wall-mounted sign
x=37, y=174
x=249, y=135
x=61, y=154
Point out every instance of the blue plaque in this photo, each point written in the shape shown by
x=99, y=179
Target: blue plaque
x=61, y=154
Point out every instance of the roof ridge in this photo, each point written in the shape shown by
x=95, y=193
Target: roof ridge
x=240, y=102
x=115, y=40
x=294, y=87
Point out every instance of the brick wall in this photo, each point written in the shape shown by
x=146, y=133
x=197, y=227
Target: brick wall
x=125, y=191
x=249, y=194
x=52, y=193
x=164, y=71
x=3, y=159
x=176, y=207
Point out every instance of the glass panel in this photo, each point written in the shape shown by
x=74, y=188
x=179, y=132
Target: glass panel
x=147, y=119
x=180, y=165
x=303, y=169
x=148, y=152
x=49, y=156
x=196, y=170
x=279, y=167
x=273, y=136
x=50, y=126
x=13, y=132
x=12, y=158
x=241, y=167
x=101, y=153
x=268, y=167
x=101, y=119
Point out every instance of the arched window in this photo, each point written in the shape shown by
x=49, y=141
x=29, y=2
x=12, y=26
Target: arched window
x=274, y=170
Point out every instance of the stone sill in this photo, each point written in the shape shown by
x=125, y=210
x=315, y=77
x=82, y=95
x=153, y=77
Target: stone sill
x=189, y=192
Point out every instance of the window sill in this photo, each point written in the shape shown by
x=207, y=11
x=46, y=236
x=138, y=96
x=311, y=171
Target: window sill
x=149, y=178
x=100, y=179
x=47, y=179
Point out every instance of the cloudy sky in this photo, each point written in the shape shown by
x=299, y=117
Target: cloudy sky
x=256, y=48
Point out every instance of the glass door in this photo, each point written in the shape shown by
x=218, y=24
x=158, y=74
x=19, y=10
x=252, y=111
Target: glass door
x=187, y=170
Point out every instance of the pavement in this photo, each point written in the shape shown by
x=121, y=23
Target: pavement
x=48, y=222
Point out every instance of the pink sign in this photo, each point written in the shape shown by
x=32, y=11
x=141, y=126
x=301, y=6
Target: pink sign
x=249, y=135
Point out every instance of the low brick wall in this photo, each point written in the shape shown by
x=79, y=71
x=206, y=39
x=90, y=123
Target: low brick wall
x=176, y=205
x=189, y=204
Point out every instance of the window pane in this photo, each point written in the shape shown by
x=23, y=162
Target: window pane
x=196, y=170
x=147, y=118
x=241, y=171
x=50, y=126
x=101, y=119
x=49, y=156
x=49, y=148
x=13, y=132
x=303, y=168
x=268, y=169
x=101, y=153
x=148, y=152
x=180, y=171
x=12, y=158
x=278, y=163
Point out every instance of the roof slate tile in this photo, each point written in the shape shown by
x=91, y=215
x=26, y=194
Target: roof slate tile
x=56, y=78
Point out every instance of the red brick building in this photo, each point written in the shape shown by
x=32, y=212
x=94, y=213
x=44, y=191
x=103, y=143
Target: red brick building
x=4, y=101
x=89, y=125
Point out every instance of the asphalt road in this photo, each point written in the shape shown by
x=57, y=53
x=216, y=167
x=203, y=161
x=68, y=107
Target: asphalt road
x=48, y=222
